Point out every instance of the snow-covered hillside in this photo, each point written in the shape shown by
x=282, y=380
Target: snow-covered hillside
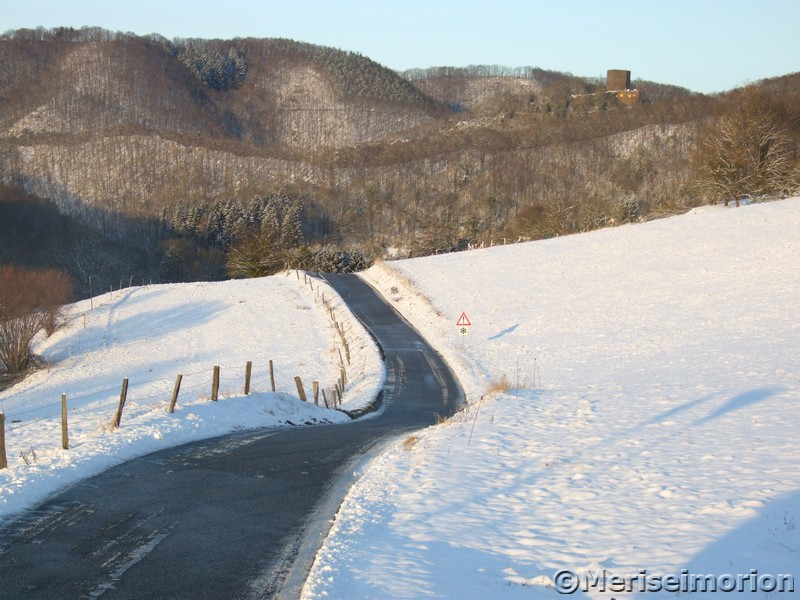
x=150, y=334
x=653, y=433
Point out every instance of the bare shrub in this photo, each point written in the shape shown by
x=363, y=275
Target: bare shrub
x=29, y=301
x=257, y=255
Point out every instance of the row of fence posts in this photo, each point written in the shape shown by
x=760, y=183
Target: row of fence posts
x=123, y=396
x=339, y=388
x=337, y=392
x=339, y=327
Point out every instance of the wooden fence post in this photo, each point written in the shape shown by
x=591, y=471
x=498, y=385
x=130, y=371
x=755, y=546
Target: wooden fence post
x=316, y=392
x=176, y=390
x=123, y=395
x=3, y=460
x=248, y=370
x=347, y=352
x=215, y=384
x=325, y=399
x=64, y=430
x=301, y=392
x=271, y=375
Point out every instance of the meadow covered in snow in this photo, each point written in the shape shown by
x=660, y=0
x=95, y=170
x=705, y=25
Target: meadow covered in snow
x=149, y=335
x=643, y=424
x=634, y=402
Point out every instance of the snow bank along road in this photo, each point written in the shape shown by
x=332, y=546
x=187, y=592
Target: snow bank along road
x=239, y=516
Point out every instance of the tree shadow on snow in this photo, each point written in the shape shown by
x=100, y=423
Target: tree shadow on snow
x=505, y=331
x=673, y=412
x=768, y=543
x=164, y=322
x=737, y=402
x=741, y=401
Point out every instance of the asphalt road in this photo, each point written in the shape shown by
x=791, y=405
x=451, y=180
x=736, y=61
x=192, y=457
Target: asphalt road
x=240, y=516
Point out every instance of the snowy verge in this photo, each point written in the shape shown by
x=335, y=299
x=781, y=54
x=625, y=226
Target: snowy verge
x=150, y=334
x=437, y=325
x=354, y=347
x=648, y=430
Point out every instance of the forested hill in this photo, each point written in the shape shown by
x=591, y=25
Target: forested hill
x=258, y=91
x=166, y=159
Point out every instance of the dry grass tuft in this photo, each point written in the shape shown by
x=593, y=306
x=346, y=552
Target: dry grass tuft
x=410, y=442
x=500, y=386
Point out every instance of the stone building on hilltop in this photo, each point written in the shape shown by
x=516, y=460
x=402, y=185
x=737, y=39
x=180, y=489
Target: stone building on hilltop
x=618, y=82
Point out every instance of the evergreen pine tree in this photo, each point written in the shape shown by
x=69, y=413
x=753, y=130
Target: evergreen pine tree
x=292, y=227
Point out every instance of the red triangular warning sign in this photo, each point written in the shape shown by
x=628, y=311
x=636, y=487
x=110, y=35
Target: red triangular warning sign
x=463, y=320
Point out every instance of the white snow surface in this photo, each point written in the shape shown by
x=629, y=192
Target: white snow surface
x=649, y=428
x=150, y=334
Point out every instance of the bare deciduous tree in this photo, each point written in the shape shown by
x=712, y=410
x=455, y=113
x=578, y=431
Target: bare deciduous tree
x=748, y=152
x=29, y=301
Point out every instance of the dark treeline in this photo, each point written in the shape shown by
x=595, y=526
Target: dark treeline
x=37, y=235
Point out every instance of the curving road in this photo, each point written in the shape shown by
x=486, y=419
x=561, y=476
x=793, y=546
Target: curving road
x=240, y=516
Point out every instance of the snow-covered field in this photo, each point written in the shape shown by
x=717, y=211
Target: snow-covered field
x=646, y=429
x=150, y=334
x=649, y=433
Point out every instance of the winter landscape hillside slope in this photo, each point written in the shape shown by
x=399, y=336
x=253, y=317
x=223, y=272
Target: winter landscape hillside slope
x=633, y=408
x=148, y=335
x=641, y=431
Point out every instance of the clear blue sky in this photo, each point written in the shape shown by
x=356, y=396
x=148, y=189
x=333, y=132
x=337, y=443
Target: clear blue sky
x=705, y=45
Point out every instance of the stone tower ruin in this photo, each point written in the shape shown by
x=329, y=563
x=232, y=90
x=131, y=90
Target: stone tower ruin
x=618, y=80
